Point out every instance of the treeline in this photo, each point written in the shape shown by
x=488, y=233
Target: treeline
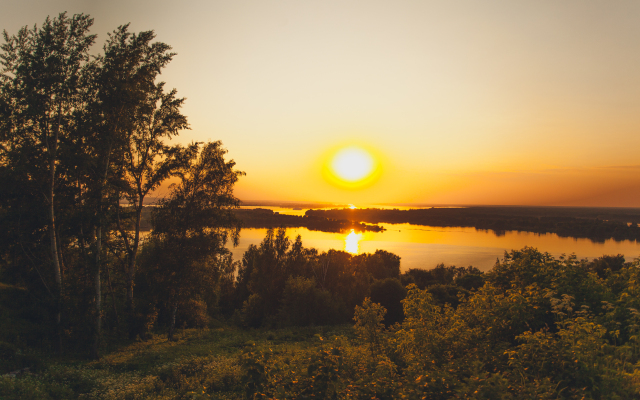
x=83, y=141
x=537, y=327
x=265, y=218
x=588, y=225
x=281, y=283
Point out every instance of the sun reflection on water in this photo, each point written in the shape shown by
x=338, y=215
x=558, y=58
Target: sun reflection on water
x=351, y=242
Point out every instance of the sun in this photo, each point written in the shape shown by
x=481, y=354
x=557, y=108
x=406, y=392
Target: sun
x=352, y=167
x=352, y=164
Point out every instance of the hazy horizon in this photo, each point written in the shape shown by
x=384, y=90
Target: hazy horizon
x=511, y=103
x=289, y=203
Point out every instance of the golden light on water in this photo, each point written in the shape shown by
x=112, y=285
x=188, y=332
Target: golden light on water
x=352, y=242
x=352, y=167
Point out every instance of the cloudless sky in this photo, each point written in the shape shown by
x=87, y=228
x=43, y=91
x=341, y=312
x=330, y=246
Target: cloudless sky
x=463, y=102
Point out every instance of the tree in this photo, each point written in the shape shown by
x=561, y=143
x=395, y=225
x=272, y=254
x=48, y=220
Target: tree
x=368, y=324
x=139, y=115
x=148, y=162
x=40, y=78
x=195, y=222
x=119, y=148
x=304, y=304
x=264, y=271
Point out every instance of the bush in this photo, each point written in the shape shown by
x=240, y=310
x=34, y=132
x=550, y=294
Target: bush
x=304, y=304
x=389, y=293
x=446, y=294
x=192, y=314
x=604, y=265
x=470, y=281
x=13, y=358
x=381, y=264
x=253, y=311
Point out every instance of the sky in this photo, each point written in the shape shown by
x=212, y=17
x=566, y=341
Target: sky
x=459, y=102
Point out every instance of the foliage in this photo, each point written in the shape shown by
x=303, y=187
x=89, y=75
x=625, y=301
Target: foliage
x=389, y=293
x=440, y=275
x=192, y=226
x=525, y=341
x=369, y=326
x=341, y=281
x=304, y=304
x=80, y=135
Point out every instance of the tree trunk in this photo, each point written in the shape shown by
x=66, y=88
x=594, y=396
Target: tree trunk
x=55, y=257
x=172, y=328
x=133, y=255
x=98, y=328
x=113, y=297
x=98, y=332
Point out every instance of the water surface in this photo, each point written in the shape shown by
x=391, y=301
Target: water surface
x=426, y=246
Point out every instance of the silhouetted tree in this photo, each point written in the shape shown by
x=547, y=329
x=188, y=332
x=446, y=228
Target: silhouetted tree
x=139, y=109
x=264, y=271
x=118, y=149
x=40, y=91
x=194, y=223
x=304, y=304
x=380, y=265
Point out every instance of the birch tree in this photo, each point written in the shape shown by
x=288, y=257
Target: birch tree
x=40, y=76
x=193, y=224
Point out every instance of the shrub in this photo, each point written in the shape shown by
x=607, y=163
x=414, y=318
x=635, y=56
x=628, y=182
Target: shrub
x=368, y=319
x=193, y=314
x=470, y=281
x=253, y=311
x=389, y=293
x=304, y=304
x=446, y=294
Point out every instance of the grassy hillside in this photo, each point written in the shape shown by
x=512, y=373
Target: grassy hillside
x=533, y=327
x=199, y=364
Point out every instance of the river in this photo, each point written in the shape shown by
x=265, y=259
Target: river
x=426, y=246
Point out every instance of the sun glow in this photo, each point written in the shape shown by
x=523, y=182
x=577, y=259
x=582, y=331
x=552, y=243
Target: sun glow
x=352, y=167
x=352, y=164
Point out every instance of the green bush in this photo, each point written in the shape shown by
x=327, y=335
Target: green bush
x=253, y=311
x=304, y=304
x=193, y=314
x=389, y=293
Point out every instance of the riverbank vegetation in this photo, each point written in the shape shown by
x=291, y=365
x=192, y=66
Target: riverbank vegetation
x=266, y=218
x=596, y=224
x=532, y=327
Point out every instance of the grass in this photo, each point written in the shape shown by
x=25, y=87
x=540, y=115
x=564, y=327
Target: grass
x=199, y=364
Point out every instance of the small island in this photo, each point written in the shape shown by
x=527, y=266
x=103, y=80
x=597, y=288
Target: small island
x=266, y=218
x=596, y=224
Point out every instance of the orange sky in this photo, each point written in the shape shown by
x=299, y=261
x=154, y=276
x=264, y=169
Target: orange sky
x=465, y=102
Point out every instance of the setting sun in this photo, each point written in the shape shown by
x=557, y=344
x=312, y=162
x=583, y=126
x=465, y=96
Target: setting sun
x=352, y=164
x=352, y=167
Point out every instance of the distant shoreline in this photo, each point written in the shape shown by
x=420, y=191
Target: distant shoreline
x=595, y=223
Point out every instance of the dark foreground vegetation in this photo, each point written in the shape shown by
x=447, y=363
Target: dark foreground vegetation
x=91, y=309
x=532, y=327
x=597, y=224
